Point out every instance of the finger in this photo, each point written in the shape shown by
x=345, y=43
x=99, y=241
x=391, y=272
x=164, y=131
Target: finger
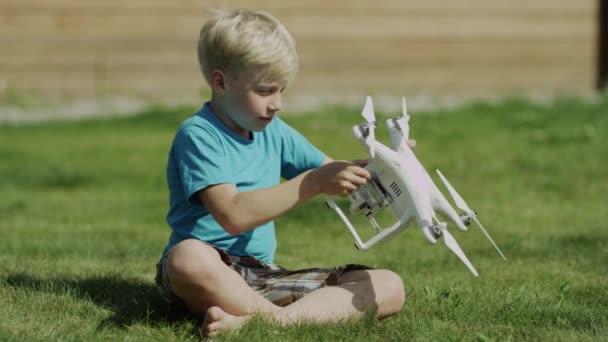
x=411, y=143
x=361, y=172
x=357, y=180
x=360, y=162
x=348, y=185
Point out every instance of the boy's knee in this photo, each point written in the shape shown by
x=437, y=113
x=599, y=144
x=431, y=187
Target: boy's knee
x=387, y=287
x=192, y=261
x=393, y=292
x=395, y=289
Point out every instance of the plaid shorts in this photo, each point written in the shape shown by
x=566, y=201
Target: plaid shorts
x=275, y=283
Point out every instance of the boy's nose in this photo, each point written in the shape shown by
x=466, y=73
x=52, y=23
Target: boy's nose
x=276, y=103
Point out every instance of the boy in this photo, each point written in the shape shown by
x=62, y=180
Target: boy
x=224, y=173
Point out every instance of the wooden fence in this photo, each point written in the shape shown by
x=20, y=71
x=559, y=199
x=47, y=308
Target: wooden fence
x=146, y=48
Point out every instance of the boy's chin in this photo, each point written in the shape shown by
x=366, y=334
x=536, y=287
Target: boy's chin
x=259, y=129
x=260, y=126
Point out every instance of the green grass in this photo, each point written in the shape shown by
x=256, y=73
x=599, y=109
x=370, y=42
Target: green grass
x=82, y=208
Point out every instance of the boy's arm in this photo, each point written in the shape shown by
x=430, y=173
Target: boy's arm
x=239, y=212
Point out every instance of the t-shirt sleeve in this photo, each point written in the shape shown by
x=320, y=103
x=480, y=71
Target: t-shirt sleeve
x=297, y=153
x=201, y=160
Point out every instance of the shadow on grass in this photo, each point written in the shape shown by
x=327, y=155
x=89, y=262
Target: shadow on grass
x=130, y=300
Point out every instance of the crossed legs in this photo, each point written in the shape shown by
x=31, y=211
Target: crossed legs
x=214, y=291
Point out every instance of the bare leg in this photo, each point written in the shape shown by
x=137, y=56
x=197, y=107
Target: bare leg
x=202, y=280
x=381, y=290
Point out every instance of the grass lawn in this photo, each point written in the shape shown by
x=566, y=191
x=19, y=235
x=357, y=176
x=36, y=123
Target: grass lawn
x=82, y=208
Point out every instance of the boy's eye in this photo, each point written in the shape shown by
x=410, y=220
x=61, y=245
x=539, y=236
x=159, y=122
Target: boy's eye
x=266, y=91
x=269, y=90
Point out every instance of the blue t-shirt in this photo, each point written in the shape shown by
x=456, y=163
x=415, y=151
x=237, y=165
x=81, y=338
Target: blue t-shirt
x=205, y=152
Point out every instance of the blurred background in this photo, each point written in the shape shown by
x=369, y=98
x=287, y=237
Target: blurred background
x=124, y=54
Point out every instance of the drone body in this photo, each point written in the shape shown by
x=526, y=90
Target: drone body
x=401, y=184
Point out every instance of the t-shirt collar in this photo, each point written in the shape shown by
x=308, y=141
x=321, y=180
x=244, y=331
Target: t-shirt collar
x=207, y=112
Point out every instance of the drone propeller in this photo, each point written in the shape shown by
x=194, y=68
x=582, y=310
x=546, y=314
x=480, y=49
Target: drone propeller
x=370, y=118
x=405, y=128
x=451, y=243
x=460, y=203
x=404, y=107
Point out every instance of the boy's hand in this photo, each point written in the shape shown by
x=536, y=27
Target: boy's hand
x=341, y=177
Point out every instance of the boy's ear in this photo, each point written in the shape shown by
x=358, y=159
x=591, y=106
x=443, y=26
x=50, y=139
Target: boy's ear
x=218, y=81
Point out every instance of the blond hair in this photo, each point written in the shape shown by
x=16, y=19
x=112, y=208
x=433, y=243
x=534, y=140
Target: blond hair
x=234, y=40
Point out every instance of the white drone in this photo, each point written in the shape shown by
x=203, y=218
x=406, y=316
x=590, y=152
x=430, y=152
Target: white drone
x=401, y=183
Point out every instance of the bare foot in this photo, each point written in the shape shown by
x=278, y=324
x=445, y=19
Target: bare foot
x=217, y=322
